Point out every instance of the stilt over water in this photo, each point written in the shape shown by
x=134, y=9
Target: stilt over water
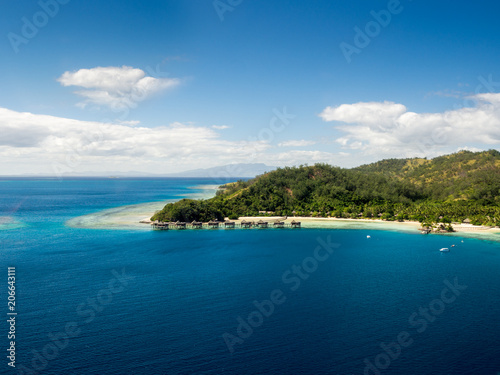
x=157, y=225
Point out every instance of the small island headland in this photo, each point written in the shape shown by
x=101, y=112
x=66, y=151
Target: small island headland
x=458, y=192
x=453, y=194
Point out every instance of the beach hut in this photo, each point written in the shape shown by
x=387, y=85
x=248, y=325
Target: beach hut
x=196, y=224
x=466, y=221
x=295, y=224
x=262, y=224
x=229, y=224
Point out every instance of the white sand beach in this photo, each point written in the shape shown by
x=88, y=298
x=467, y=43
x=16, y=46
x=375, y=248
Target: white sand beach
x=137, y=217
x=406, y=226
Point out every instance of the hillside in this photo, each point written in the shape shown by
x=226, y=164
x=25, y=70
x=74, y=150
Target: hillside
x=448, y=188
x=464, y=175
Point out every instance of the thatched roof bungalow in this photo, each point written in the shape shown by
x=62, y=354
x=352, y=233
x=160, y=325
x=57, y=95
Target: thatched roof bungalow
x=180, y=225
x=262, y=224
x=159, y=225
x=246, y=224
x=213, y=224
x=196, y=224
x=279, y=224
x=229, y=224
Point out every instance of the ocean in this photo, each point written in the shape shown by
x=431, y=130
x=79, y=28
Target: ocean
x=126, y=300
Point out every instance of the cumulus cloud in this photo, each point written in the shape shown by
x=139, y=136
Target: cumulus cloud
x=387, y=129
x=370, y=113
x=32, y=143
x=46, y=143
x=115, y=87
x=296, y=143
x=220, y=127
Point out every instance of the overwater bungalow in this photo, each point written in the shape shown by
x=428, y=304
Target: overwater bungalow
x=213, y=224
x=246, y=224
x=279, y=224
x=229, y=224
x=180, y=225
x=196, y=225
x=295, y=224
x=159, y=225
x=262, y=224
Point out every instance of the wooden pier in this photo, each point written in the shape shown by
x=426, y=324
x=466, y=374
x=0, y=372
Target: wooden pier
x=224, y=225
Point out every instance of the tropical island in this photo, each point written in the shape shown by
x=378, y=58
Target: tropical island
x=463, y=187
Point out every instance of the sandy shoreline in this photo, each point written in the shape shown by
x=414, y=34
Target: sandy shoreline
x=136, y=217
x=413, y=226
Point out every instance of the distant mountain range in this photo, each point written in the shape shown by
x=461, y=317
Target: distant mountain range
x=220, y=172
x=227, y=171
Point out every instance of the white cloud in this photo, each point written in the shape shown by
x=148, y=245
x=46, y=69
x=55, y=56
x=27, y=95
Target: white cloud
x=115, y=87
x=220, y=127
x=296, y=143
x=370, y=113
x=387, y=129
x=31, y=143
x=129, y=122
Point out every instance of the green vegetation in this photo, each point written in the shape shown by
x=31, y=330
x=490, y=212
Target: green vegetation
x=188, y=210
x=443, y=190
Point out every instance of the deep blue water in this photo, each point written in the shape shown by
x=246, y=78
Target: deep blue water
x=178, y=293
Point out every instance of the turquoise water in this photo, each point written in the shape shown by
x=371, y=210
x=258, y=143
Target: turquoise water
x=308, y=301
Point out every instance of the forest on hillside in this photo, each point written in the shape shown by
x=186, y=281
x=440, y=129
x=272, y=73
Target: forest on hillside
x=447, y=189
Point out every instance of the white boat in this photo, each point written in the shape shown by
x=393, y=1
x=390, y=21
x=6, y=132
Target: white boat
x=444, y=249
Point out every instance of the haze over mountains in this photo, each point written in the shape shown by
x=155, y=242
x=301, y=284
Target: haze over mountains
x=223, y=172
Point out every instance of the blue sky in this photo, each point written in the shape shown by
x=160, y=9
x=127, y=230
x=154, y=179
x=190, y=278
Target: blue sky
x=192, y=84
